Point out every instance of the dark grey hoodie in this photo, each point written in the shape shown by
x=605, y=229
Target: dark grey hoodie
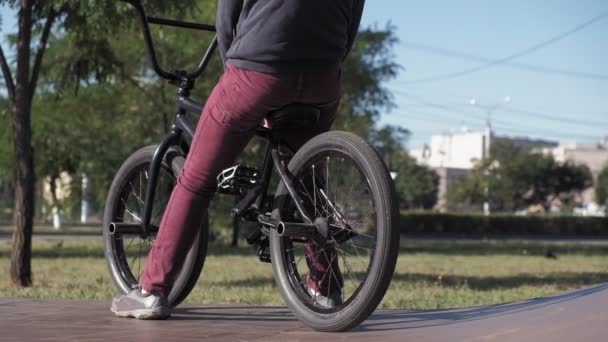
x=287, y=35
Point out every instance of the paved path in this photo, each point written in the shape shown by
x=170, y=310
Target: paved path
x=576, y=316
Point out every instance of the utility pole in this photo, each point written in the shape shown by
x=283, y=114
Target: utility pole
x=487, y=138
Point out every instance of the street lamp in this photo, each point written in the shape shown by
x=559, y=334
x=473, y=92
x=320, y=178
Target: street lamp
x=486, y=148
x=489, y=108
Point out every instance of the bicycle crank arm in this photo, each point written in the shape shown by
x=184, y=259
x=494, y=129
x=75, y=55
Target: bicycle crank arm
x=129, y=228
x=342, y=234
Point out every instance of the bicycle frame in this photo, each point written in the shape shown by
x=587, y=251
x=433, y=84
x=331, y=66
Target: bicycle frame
x=182, y=128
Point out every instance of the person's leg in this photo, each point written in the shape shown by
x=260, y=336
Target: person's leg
x=323, y=91
x=235, y=107
x=324, y=276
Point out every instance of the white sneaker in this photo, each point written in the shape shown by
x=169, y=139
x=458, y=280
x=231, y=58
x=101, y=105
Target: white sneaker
x=327, y=302
x=141, y=306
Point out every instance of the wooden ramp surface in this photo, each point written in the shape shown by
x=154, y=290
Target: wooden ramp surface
x=575, y=316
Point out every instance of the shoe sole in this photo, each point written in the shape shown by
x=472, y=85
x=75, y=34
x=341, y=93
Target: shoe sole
x=145, y=314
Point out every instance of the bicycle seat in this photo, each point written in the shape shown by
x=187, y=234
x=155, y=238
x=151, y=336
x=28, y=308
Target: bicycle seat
x=294, y=115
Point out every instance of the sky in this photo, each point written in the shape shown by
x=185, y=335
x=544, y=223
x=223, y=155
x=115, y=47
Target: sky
x=450, y=51
x=534, y=68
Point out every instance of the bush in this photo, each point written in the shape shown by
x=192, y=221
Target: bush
x=479, y=225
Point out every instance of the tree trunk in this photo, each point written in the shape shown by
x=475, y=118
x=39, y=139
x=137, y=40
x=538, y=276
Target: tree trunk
x=21, y=274
x=24, y=202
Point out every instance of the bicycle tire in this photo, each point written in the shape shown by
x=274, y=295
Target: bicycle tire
x=368, y=295
x=120, y=270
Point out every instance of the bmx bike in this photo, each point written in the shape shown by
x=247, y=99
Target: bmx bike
x=334, y=194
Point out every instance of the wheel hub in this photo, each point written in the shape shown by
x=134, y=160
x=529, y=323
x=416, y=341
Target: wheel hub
x=322, y=227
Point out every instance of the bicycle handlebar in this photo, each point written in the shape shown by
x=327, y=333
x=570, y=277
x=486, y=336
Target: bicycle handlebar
x=145, y=22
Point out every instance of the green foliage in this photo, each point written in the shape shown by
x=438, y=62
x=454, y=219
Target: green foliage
x=389, y=140
x=428, y=275
x=90, y=126
x=601, y=187
x=6, y=142
x=516, y=178
x=6, y=163
x=87, y=29
x=480, y=225
x=416, y=185
x=369, y=65
x=98, y=99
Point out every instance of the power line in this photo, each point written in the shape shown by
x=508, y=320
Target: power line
x=587, y=123
x=521, y=66
x=530, y=113
x=445, y=118
x=512, y=56
x=456, y=100
x=425, y=102
x=551, y=134
x=428, y=117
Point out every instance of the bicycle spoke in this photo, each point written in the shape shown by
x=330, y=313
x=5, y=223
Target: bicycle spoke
x=341, y=195
x=314, y=186
x=137, y=218
x=293, y=249
x=327, y=174
x=339, y=250
x=132, y=252
x=308, y=195
x=350, y=271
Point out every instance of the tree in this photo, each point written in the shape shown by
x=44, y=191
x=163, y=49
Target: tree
x=517, y=178
x=6, y=143
x=90, y=24
x=601, y=187
x=91, y=127
x=97, y=99
x=20, y=93
x=6, y=162
x=389, y=140
x=369, y=65
x=417, y=185
x=565, y=181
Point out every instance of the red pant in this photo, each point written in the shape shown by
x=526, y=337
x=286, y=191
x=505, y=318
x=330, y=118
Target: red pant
x=234, y=109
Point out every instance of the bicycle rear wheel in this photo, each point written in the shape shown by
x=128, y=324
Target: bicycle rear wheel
x=342, y=181
x=126, y=254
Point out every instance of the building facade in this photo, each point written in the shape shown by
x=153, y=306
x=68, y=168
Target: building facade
x=453, y=155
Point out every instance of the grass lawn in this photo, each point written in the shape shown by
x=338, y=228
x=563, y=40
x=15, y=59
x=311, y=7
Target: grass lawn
x=67, y=229
x=428, y=275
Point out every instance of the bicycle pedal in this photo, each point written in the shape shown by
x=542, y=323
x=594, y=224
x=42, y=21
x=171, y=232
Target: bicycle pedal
x=264, y=256
x=258, y=239
x=237, y=180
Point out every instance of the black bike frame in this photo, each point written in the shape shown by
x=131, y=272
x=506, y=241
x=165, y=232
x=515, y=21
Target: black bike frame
x=182, y=128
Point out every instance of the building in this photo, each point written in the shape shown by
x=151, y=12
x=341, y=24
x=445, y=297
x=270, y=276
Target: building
x=463, y=150
x=454, y=154
x=594, y=156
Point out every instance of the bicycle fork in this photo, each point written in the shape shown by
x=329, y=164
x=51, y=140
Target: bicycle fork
x=143, y=228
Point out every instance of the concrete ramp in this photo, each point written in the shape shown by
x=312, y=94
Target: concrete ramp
x=574, y=316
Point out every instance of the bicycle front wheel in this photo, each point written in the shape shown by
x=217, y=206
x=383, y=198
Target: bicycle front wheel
x=343, y=182
x=126, y=254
